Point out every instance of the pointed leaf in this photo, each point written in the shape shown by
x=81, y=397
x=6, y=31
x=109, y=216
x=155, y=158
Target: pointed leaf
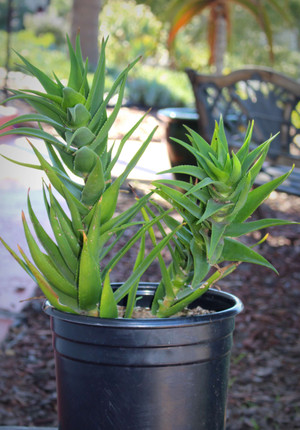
x=50, y=86
x=257, y=196
x=89, y=284
x=95, y=185
x=201, y=265
x=96, y=93
x=237, y=251
x=124, y=289
x=48, y=244
x=43, y=262
x=215, y=240
x=108, y=305
x=239, y=229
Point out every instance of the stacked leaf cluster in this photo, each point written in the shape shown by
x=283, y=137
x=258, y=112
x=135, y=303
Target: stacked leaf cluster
x=69, y=268
x=215, y=207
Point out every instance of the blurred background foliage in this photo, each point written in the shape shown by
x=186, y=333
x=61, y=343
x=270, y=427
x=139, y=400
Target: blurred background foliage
x=136, y=27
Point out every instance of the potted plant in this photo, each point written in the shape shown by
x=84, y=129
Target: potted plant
x=116, y=371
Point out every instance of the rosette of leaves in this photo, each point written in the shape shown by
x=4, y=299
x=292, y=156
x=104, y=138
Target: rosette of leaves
x=69, y=267
x=215, y=207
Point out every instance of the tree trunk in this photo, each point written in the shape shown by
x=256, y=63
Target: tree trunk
x=85, y=17
x=220, y=40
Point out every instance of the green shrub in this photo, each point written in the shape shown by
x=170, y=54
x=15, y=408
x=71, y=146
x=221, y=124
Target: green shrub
x=36, y=49
x=133, y=31
x=159, y=88
x=45, y=23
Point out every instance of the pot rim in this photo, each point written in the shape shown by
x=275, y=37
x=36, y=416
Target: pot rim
x=235, y=306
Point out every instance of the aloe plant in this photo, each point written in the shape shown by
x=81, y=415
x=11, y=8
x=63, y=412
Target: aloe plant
x=69, y=269
x=215, y=207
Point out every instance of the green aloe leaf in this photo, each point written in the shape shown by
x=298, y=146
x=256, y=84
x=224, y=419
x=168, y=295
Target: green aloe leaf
x=244, y=149
x=124, y=217
x=48, y=244
x=196, y=191
x=124, y=289
x=110, y=196
x=75, y=216
x=98, y=116
x=216, y=239
x=163, y=268
x=212, y=207
x=95, y=97
x=200, y=185
x=237, y=251
x=201, y=265
x=66, y=225
x=192, y=150
x=108, y=305
x=201, y=145
x=58, y=299
x=80, y=138
x=122, y=143
x=95, y=184
x=257, y=196
x=120, y=254
x=71, y=98
x=84, y=160
x=101, y=135
x=236, y=170
x=239, y=229
x=59, y=182
x=46, y=266
x=57, y=100
x=222, y=143
x=18, y=259
x=89, y=283
x=176, y=197
x=216, y=172
x=76, y=68
x=49, y=86
x=41, y=105
x=242, y=198
x=94, y=231
x=78, y=116
x=62, y=241
x=19, y=163
x=133, y=290
x=56, y=162
x=256, y=168
x=194, y=171
x=33, y=117
x=33, y=132
x=256, y=153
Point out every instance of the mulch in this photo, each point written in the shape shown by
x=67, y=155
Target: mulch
x=265, y=373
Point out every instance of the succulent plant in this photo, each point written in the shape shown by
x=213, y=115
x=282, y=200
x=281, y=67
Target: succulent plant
x=69, y=268
x=215, y=207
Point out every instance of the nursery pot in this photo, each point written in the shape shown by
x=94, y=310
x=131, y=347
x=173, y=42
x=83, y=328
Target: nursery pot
x=176, y=119
x=144, y=374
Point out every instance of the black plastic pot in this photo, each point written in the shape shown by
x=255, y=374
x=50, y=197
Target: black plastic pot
x=153, y=374
x=176, y=119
